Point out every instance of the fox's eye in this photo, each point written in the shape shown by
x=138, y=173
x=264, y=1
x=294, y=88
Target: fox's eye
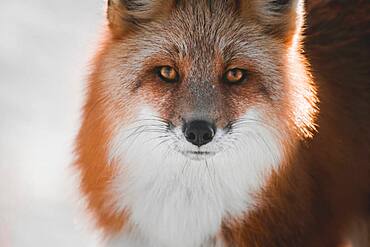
x=235, y=76
x=168, y=74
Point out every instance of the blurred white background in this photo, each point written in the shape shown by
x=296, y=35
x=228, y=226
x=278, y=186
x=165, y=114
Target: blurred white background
x=45, y=46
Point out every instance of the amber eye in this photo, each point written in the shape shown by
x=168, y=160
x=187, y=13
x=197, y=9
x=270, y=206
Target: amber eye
x=235, y=76
x=167, y=74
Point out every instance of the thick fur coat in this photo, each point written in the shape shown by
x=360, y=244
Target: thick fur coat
x=289, y=162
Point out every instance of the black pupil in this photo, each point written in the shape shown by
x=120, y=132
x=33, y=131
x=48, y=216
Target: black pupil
x=167, y=72
x=236, y=75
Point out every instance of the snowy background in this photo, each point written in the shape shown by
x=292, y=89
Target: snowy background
x=45, y=46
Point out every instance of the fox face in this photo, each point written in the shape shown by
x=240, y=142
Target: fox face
x=204, y=70
x=193, y=104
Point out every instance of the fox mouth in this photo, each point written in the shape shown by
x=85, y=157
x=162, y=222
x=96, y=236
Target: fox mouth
x=200, y=152
x=198, y=155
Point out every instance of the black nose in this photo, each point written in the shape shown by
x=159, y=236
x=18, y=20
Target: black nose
x=199, y=132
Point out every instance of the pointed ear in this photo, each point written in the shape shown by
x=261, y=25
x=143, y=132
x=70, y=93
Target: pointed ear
x=124, y=15
x=281, y=18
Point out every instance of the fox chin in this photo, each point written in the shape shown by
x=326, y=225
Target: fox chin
x=226, y=123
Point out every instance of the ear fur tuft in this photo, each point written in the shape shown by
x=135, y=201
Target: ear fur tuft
x=281, y=18
x=124, y=15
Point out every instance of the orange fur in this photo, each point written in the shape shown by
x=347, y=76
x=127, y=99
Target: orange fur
x=322, y=184
x=92, y=161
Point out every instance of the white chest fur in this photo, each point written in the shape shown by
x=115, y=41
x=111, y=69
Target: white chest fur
x=177, y=201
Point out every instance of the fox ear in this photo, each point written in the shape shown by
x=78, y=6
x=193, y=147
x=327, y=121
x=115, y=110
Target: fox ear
x=281, y=18
x=124, y=15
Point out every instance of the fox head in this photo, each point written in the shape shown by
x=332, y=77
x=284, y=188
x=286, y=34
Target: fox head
x=184, y=84
x=202, y=70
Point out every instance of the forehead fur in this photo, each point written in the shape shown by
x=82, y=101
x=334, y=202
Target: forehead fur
x=277, y=18
x=203, y=31
x=206, y=28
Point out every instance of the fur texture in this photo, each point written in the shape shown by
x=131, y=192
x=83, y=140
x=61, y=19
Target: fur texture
x=282, y=169
x=189, y=196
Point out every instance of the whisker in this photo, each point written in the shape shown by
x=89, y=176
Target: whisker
x=161, y=121
x=160, y=143
x=210, y=178
x=243, y=121
x=186, y=164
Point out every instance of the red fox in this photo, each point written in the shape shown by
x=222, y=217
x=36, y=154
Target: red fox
x=229, y=123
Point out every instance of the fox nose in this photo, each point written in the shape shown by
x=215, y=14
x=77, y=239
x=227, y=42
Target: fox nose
x=199, y=132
